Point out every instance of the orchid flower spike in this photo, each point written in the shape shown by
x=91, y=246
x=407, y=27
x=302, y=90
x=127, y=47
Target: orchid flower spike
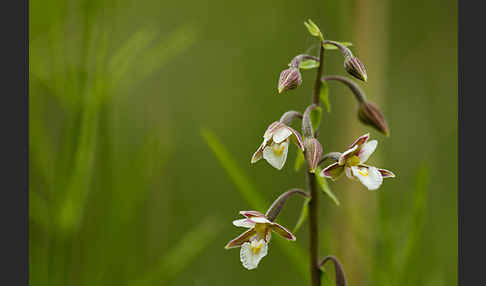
x=352, y=163
x=254, y=242
x=275, y=144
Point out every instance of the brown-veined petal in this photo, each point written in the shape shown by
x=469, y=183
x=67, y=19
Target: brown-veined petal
x=297, y=138
x=347, y=154
x=242, y=238
x=386, y=173
x=361, y=140
x=282, y=231
x=251, y=213
x=258, y=154
x=333, y=171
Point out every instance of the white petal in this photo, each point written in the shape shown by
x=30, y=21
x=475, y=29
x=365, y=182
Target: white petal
x=349, y=173
x=370, y=177
x=270, y=129
x=248, y=257
x=281, y=134
x=243, y=223
x=259, y=220
x=366, y=151
x=276, y=154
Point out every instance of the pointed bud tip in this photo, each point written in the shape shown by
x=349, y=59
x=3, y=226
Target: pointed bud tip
x=370, y=114
x=289, y=79
x=355, y=68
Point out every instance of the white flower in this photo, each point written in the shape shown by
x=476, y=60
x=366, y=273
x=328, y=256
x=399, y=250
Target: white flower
x=275, y=144
x=254, y=242
x=352, y=162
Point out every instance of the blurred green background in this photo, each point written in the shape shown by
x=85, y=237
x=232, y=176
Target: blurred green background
x=126, y=95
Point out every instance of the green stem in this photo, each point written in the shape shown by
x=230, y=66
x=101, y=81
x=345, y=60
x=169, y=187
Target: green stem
x=318, y=84
x=314, y=231
x=315, y=270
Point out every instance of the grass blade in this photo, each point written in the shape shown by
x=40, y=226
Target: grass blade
x=412, y=250
x=179, y=257
x=243, y=184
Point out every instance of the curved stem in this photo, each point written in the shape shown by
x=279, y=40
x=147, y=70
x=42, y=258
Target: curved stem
x=299, y=58
x=289, y=116
x=339, y=272
x=332, y=155
x=307, y=129
x=278, y=204
x=344, y=50
x=358, y=93
x=320, y=69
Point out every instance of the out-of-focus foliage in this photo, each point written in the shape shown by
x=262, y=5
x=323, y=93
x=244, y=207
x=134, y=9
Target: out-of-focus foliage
x=124, y=190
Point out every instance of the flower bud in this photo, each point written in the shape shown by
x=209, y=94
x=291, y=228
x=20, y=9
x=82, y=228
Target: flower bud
x=289, y=79
x=370, y=114
x=313, y=153
x=355, y=68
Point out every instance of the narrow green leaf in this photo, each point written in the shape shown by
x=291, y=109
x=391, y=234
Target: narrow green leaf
x=333, y=47
x=304, y=212
x=325, y=187
x=308, y=64
x=315, y=117
x=183, y=253
x=324, y=95
x=299, y=160
x=313, y=29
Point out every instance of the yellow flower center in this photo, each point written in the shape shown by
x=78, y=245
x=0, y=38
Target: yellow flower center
x=363, y=171
x=256, y=247
x=260, y=228
x=353, y=161
x=278, y=149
